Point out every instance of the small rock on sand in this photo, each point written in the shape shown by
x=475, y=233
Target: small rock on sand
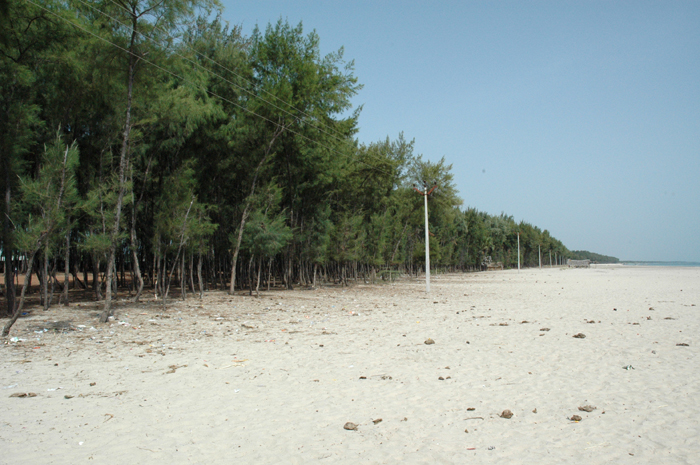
x=575, y=418
x=587, y=408
x=506, y=414
x=579, y=336
x=350, y=426
x=429, y=341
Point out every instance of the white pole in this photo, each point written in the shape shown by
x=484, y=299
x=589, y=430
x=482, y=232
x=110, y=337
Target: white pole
x=518, y=251
x=427, y=244
x=539, y=252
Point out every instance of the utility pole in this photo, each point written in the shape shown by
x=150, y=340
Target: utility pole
x=539, y=252
x=518, y=250
x=425, y=193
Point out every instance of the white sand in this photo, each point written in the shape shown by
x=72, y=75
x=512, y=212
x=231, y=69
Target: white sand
x=282, y=391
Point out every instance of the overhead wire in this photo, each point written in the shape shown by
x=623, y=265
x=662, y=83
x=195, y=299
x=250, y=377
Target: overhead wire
x=201, y=87
x=201, y=55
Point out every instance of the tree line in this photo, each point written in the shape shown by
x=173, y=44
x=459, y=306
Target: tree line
x=150, y=144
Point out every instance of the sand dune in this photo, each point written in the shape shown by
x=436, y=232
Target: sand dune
x=238, y=379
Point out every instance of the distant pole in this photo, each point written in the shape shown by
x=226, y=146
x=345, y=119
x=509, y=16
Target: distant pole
x=550, y=258
x=539, y=252
x=518, y=251
x=427, y=243
x=425, y=195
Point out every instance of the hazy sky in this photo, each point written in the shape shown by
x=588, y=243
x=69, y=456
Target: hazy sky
x=582, y=118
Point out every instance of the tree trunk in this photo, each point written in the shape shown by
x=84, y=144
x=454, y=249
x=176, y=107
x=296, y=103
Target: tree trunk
x=45, y=280
x=250, y=276
x=246, y=209
x=76, y=278
x=199, y=275
x=191, y=273
x=7, y=243
x=107, y=310
x=52, y=275
x=183, y=279
x=66, y=274
x=96, y=284
x=18, y=310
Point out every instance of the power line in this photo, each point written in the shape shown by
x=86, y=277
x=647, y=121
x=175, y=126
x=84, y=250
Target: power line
x=216, y=63
x=200, y=86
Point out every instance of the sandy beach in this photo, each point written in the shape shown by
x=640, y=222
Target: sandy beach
x=275, y=378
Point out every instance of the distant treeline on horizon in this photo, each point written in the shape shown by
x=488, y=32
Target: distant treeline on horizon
x=594, y=257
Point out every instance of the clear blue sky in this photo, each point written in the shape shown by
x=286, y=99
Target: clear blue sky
x=582, y=118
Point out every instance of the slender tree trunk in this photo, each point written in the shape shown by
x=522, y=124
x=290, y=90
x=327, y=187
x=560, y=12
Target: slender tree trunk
x=7, y=243
x=18, y=310
x=76, y=278
x=52, y=276
x=183, y=279
x=107, y=310
x=9, y=284
x=66, y=273
x=246, y=209
x=179, y=249
x=191, y=273
x=250, y=276
x=199, y=275
x=269, y=273
x=158, y=272
x=96, y=282
x=45, y=280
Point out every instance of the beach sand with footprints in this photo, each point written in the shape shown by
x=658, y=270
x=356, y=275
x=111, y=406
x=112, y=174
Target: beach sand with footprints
x=348, y=375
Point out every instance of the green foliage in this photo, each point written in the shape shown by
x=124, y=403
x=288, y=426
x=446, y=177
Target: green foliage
x=42, y=213
x=226, y=130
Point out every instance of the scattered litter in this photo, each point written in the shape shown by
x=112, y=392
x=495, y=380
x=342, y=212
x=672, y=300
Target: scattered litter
x=350, y=426
x=10, y=386
x=587, y=408
x=491, y=447
x=173, y=368
x=377, y=421
x=579, y=336
x=575, y=418
x=628, y=367
x=429, y=341
x=683, y=344
x=23, y=394
x=54, y=389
